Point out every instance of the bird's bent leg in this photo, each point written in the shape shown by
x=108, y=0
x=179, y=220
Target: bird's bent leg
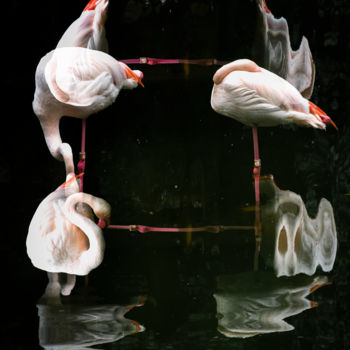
x=257, y=164
x=68, y=285
x=67, y=155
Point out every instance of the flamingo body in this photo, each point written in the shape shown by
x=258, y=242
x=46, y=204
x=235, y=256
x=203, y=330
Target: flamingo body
x=76, y=82
x=257, y=97
x=64, y=238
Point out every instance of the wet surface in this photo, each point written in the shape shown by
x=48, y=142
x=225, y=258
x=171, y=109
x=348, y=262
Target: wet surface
x=162, y=157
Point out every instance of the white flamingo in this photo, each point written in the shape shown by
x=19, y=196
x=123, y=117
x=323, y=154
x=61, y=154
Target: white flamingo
x=76, y=82
x=63, y=236
x=257, y=97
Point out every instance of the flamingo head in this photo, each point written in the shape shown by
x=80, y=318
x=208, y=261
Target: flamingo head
x=103, y=211
x=320, y=114
x=132, y=77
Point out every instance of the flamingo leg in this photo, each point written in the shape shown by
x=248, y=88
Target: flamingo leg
x=82, y=154
x=257, y=164
x=256, y=175
x=68, y=285
x=52, y=291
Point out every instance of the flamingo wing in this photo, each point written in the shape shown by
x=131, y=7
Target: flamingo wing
x=83, y=77
x=244, y=104
x=261, y=99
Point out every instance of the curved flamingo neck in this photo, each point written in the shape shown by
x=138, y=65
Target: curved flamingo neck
x=94, y=255
x=241, y=65
x=59, y=150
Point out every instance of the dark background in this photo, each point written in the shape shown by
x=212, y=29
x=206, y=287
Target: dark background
x=161, y=156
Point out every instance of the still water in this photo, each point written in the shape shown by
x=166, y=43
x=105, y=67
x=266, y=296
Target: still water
x=276, y=277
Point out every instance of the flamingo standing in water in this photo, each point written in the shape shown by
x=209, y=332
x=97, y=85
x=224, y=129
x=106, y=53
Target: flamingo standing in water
x=76, y=82
x=62, y=235
x=257, y=97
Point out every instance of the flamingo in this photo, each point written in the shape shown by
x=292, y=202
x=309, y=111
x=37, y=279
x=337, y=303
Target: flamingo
x=257, y=97
x=88, y=30
x=62, y=235
x=76, y=82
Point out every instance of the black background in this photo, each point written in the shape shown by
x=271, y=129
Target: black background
x=160, y=155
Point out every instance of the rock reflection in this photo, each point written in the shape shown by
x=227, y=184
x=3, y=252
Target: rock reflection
x=256, y=303
x=292, y=242
x=296, y=67
x=82, y=326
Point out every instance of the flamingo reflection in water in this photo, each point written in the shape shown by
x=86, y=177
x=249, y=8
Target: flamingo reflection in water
x=255, y=303
x=293, y=247
x=74, y=326
x=273, y=49
x=63, y=236
x=292, y=242
x=257, y=97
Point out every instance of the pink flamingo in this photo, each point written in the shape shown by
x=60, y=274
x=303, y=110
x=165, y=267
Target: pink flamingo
x=76, y=82
x=257, y=97
x=63, y=236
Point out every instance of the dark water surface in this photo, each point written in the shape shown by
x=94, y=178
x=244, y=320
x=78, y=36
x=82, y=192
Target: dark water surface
x=162, y=157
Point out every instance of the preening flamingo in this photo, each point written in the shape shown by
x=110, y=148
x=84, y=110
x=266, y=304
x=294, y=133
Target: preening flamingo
x=88, y=30
x=76, y=82
x=62, y=235
x=257, y=97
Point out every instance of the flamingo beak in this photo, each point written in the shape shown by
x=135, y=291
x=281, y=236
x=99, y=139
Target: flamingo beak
x=320, y=114
x=266, y=8
x=332, y=122
x=73, y=178
x=91, y=5
x=327, y=120
x=131, y=74
x=139, y=328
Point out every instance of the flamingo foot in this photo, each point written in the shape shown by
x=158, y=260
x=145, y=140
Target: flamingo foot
x=67, y=287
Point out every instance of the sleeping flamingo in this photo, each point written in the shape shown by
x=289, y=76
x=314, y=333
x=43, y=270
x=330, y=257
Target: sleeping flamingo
x=76, y=82
x=257, y=97
x=62, y=235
